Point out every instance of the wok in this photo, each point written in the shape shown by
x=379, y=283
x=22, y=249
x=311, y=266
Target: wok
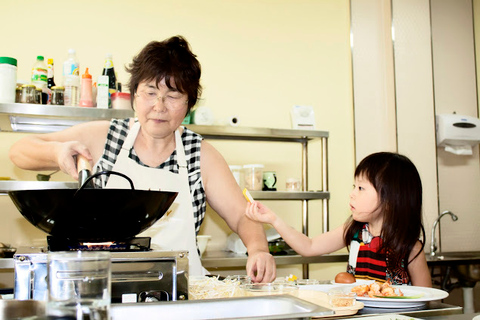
x=93, y=215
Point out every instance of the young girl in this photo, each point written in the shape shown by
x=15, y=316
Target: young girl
x=384, y=229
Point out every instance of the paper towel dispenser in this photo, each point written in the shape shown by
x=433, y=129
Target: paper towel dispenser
x=457, y=133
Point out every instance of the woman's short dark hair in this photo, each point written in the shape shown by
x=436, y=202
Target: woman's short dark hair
x=170, y=59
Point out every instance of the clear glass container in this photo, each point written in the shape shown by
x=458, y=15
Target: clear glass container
x=29, y=93
x=253, y=176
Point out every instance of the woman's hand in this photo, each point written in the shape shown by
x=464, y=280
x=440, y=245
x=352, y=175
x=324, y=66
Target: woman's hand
x=261, y=267
x=260, y=212
x=66, y=154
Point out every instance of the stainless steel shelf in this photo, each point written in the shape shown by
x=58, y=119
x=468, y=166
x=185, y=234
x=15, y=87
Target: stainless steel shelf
x=51, y=112
x=251, y=133
x=11, y=185
x=225, y=259
x=287, y=195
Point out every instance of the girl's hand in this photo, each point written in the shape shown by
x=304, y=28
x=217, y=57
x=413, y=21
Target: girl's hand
x=260, y=212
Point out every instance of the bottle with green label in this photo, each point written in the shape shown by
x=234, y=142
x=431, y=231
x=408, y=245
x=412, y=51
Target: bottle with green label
x=40, y=73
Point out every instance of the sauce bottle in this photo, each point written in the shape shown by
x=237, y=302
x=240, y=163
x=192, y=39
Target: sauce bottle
x=109, y=71
x=39, y=78
x=86, y=99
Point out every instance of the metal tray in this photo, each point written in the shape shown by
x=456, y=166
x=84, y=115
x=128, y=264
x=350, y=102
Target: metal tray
x=264, y=307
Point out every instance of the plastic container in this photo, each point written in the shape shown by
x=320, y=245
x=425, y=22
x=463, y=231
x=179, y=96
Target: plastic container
x=293, y=184
x=237, y=174
x=121, y=100
x=268, y=289
x=253, y=176
x=339, y=298
x=86, y=99
x=8, y=79
x=102, y=92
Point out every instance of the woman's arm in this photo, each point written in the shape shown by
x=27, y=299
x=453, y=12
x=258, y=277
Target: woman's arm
x=57, y=150
x=226, y=198
x=418, y=268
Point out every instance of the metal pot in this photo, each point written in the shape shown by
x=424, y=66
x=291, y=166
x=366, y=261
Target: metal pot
x=93, y=214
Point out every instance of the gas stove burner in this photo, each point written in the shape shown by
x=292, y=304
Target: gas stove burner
x=134, y=244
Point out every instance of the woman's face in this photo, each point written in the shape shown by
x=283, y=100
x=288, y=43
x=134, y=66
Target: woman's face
x=364, y=201
x=161, y=110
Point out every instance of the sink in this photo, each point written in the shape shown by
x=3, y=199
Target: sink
x=465, y=265
x=455, y=257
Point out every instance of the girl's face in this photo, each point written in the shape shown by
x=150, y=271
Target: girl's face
x=364, y=201
x=160, y=110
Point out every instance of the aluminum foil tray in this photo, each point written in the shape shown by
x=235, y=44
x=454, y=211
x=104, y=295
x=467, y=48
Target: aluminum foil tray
x=263, y=307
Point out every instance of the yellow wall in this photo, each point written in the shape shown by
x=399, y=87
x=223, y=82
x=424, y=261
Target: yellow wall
x=259, y=58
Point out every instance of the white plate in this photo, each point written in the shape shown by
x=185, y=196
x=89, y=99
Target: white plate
x=428, y=294
x=356, y=283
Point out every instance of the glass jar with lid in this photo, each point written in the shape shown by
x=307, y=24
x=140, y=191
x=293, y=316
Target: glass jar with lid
x=29, y=93
x=58, y=94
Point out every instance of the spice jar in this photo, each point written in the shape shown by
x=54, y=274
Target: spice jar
x=28, y=93
x=293, y=184
x=18, y=94
x=58, y=93
x=38, y=96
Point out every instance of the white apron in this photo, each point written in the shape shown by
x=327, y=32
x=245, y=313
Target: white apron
x=175, y=231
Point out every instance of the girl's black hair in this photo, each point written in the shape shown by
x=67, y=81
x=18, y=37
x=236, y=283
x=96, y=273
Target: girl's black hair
x=399, y=187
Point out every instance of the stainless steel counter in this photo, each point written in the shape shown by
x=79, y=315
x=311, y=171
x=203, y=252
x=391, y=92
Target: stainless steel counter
x=221, y=259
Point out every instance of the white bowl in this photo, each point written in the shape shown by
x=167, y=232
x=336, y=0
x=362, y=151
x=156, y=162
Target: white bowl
x=202, y=241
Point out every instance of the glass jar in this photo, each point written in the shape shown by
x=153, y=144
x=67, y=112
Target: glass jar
x=38, y=96
x=57, y=96
x=29, y=93
x=253, y=176
x=18, y=94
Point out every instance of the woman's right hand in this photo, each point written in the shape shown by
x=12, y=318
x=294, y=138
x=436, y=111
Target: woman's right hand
x=260, y=212
x=66, y=154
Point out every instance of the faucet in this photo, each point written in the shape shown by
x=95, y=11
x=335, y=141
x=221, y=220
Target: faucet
x=433, y=245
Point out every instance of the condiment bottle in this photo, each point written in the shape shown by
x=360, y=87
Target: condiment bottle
x=71, y=79
x=50, y=79
x=39, y=77
x=86, y=99
x=109, y=71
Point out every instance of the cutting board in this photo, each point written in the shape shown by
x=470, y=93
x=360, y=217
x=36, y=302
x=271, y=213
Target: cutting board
x=321, y=298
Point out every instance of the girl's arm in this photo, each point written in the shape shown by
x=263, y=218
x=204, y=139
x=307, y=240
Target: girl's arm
x=418, y=268
x=303, y=245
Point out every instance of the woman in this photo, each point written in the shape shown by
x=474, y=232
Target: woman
x=157, y=153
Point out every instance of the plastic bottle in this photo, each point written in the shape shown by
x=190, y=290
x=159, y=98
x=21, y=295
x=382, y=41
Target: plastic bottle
x=71, y=79
x=40, y=76
x=109, y=71
x=40, y=73
x=86, y=98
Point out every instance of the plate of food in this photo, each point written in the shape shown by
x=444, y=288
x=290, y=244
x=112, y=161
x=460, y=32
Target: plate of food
x=384, y=295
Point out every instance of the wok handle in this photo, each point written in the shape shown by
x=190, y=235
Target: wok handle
x=107, y=172
x=84, y=170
